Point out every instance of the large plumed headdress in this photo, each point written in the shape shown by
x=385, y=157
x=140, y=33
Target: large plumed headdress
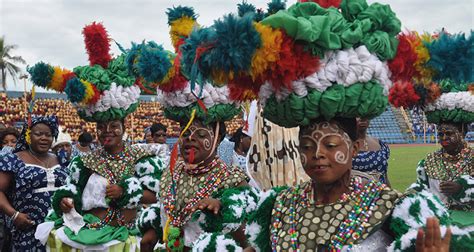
x=183, y=94
x=303, y=62
x=102, y=91
x=435, y=73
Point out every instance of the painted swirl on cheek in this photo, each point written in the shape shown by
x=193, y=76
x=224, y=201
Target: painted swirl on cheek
x=207, y=144
x=317, y=135
x=340, y=157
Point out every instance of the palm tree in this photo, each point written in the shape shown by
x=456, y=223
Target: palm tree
x=8, y=63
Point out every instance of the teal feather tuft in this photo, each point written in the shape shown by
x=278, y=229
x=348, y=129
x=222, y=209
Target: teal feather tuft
x=41, y=74
x=228, y=45
x=148, y=60
x=75, y=90
x=132, y=55
x=245, y=8
x=197, y=39
x=154, y=62
x=452, y=56
x=274, y=6
x=236, y=42
x=178, y=12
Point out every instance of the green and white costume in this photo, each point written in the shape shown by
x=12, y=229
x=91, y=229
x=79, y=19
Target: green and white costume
x=392, y=223
x=436, y=168
x=86, y=185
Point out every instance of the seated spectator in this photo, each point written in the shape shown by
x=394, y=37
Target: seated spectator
x=158, y=131
x=148, y=136
x=9, y=137
x=62, y=147
x=83, y=146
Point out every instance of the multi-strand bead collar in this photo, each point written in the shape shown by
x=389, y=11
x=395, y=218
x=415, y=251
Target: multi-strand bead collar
x=442, y=166
x=362, y=195
x=209, y=186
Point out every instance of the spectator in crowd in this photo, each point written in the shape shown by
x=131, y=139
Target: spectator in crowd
x=8, y=137
x=84, y=145
x=62, y=147
x=241, y=148
x=148, y=136
x=225, y=151
x=28, y=171
x=373, y=154
x=158, y=131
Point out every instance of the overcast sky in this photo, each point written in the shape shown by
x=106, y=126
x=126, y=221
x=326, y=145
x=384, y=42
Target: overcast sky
x=50, y=30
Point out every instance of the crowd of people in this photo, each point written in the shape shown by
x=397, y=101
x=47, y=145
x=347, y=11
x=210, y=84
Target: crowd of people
x=323, y=71
x=12, y=113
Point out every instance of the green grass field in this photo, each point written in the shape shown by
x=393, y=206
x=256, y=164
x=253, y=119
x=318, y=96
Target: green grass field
x=402, y=164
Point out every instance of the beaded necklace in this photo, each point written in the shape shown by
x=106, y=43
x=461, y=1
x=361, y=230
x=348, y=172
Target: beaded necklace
x=364, y=197
x=209, y=186
x=442, y=166
x=114, y=166
x=296, y=199
x=112, y=213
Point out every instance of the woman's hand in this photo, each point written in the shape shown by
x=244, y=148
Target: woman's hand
x=147, y=244
x=210, y=204
x=431, y=240
x=450, y=187
x=113, y=191
x=66, y=205
x=23, y=221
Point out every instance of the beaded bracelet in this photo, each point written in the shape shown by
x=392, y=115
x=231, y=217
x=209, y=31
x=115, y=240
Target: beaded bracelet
x=14, y=216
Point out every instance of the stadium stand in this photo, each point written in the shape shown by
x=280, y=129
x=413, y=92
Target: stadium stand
x=391, y=127
x=12, y=112
x=387, y=128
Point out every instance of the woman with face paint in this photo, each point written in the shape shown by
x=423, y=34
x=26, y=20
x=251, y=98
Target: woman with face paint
x=447, y=101
x=28, y=179
x=191, y=190
x=106, y=188
x=198, y=181
x=339, y=208
x=448, y=172
x=322, y=91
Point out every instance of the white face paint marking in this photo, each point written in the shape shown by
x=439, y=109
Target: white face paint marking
x=317, y=136
x=207, y=142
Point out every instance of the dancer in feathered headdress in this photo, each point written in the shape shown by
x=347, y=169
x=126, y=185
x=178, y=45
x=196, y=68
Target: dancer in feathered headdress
x=440, y=82
x=97, y=207
x=195, y=178
x=317, y=68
